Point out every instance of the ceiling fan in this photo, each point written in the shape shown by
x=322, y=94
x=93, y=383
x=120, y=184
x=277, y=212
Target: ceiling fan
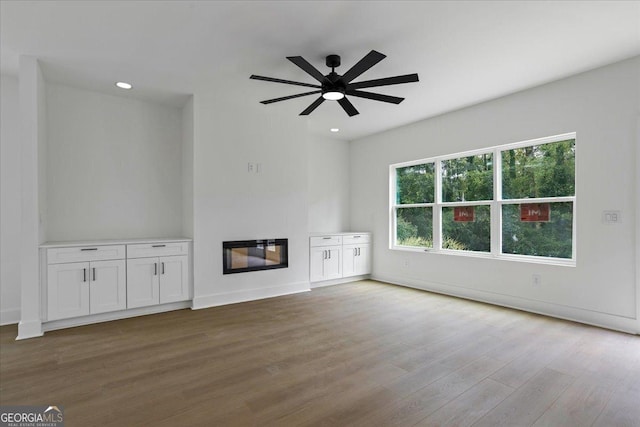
x=335, y=87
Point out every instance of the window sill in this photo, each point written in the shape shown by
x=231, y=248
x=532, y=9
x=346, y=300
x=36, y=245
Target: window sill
x=502, y=257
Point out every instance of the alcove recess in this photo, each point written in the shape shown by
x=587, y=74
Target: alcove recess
x=115, y=166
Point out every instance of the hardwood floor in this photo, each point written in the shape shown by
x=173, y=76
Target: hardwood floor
x=359, y=354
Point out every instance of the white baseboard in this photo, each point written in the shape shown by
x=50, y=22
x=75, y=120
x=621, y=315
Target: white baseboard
x=338, y=281
x=9, y=316
x=113, y=315
x=29, y=329
x=214, y=300
x=589, y=317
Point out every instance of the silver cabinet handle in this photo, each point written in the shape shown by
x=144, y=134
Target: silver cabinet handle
x=358, y=251
x=163, y=268
x=159, y=246
x=329, y=252
x=155, y=268
x=327, y=238
x=84, y=274
x=94, y=274
x=356, y=237
x=324, y=254
x=88, y=249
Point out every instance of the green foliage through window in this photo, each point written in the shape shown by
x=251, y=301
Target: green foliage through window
x=472, y=236
x=415, y=184
x=542, y=173
x=468, y=178
x=545, y=170
x=415, y=227
x=548, y=239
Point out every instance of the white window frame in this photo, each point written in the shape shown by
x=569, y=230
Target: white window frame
x=495, y=204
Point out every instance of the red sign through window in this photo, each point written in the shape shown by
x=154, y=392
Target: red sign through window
x=464, y=214
x=535, y=212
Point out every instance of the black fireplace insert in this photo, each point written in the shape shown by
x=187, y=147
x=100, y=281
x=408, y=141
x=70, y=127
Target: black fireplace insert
x=241, y=256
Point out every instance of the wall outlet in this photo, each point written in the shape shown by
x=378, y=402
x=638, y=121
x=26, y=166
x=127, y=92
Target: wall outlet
x=405, y=263
x=536, y=280
x=251, y=167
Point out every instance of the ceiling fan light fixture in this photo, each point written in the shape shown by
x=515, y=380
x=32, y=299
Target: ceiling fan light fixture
x=333, y=95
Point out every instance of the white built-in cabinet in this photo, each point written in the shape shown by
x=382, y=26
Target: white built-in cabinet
x=338, y=256
x=85, y=280
x=82, y=279
x=326, y=258
x=356, y=255
x=156, y=275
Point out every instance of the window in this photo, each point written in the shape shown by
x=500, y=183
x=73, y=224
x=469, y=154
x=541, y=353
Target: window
x=515, y=201
x=414, y=195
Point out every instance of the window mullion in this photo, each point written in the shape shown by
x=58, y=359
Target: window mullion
x=437, y=209
x=496, y=207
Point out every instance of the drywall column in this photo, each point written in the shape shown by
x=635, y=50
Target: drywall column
x=637, y=193
x=10, y=217
x=32, y=124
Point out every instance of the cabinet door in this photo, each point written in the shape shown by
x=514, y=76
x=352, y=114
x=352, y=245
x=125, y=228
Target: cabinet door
x=349, y=257
x=333, y=264
x=67, y=290
x=108, y=286
x=316, y=264
x=143, y=282
x=363, y=260
x=174, y=279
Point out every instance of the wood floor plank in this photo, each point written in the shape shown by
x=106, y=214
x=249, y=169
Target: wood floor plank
x=579, y=405
x=357, y=354
x=412, y=408
x=470, y=406
x=525, y=405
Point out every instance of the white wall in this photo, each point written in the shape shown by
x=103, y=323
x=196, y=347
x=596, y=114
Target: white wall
x=328, y=175
x=114, y=167
x=187, y=169
x=9, y=201
x=232, y=129
x=602, y=107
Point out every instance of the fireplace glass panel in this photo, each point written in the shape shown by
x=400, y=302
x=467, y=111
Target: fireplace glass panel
x=251, y=255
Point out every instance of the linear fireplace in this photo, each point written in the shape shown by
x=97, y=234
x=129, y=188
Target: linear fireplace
x=241, y=256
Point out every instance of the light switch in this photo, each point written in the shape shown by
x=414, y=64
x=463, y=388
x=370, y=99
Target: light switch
x=611, y=217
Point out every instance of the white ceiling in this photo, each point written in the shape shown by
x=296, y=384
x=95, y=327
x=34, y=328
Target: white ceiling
x=464, y=52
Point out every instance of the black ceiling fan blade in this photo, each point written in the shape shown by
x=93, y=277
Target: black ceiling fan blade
x=375, y=96
x=284, y=98
x=313, y=106
x=348, y=107
x=369, y=60
x=407, y=78
x=289, y=82
x=308, y=68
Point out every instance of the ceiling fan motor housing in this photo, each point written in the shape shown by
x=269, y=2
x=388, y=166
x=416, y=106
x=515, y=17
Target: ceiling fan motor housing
x=332, y=81
x=333, y=61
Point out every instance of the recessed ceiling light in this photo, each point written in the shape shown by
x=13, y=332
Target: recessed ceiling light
x=124, y=85
x=335, y=130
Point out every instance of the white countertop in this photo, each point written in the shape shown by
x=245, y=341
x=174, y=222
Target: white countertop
x=338, y=233
x=113, y=242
